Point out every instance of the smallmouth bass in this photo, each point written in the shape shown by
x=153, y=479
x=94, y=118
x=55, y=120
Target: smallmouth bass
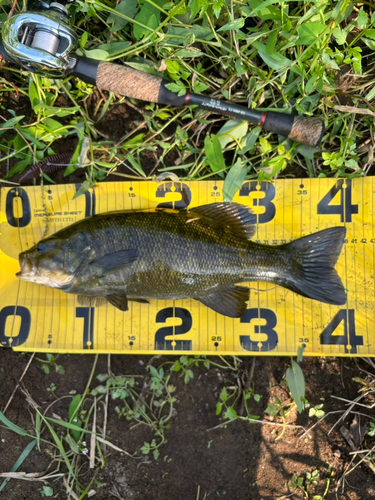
x=202, y=253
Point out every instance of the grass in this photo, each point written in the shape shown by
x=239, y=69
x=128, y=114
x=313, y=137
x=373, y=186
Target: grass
x=315, y=58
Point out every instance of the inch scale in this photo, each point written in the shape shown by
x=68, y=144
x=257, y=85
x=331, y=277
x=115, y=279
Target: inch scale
x=277, y=321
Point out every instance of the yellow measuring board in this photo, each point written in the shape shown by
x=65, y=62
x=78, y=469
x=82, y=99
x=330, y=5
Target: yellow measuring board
x=277, y=321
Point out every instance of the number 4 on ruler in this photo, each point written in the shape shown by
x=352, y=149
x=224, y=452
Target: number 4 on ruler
x=349, y=339
x=345, y=209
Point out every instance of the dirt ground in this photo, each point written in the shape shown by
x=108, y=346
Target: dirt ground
x=199, y=460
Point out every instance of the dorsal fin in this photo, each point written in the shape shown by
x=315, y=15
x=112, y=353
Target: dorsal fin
x=239, y=219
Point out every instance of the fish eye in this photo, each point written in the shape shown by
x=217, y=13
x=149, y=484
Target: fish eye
x=41, y=247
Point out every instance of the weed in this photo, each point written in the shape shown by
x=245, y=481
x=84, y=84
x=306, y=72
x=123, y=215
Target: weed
x=49, y=363
x=151, y=406
x=371, y=431
x=310, y=482
x=52, y=388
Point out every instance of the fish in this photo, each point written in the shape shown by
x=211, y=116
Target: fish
x=203, y=253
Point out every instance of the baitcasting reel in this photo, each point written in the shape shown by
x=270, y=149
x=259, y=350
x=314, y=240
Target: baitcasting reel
x=41, y=39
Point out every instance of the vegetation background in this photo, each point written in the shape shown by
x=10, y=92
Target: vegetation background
x=313, y=58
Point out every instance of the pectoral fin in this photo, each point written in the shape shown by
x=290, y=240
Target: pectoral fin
x=85, y=300
x=230, y=302
x=114, y=260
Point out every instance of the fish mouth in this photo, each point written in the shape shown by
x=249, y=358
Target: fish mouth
x=28, y=269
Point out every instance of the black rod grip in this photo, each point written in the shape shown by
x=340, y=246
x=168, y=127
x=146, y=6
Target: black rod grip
x=85, y=69
x=307, y=131
x=226, y=108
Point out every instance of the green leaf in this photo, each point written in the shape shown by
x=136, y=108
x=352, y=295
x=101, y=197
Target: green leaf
x=68, y=425
x=11, y=426
x=47, y=491
x=145, y=449
x=370, y=34
x=309, y=32
x=154, y=372
x=307, y=151
x=296, y=383
x=248, y=142
x=72, y=443
x=233, y=25
x=232, y=130
x=33, y=93
x=341, y=11
x=275, y=61
x=85, y=186
x=177, y=87
x=223, y=394
x=195, y=31
x=60, y=446
x=99, y=54
x=26, y=452
x=330, y=62
x=219, y=407
x=12, y=122
x=137, y=167
x=370, y=43
x=265, y=146
x=340, y=35
x=146, y=67
x=362, y=19
x=128, y=8
x=114, y=47
x=214, y=153
x=149, y=16
x=310, y=85
x=76, y=401
x=370, y=95
x=230, y=413
x=234, y=180
x=189, y=53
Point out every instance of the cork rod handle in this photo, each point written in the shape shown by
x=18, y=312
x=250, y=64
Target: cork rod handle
x=139, y=85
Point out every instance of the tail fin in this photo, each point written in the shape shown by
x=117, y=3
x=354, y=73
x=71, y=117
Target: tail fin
x=312, y=263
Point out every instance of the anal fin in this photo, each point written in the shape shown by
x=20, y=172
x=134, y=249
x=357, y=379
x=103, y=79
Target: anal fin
x=119, y=301
x=230, y=302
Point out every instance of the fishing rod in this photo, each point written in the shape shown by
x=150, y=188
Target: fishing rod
x=41, y=41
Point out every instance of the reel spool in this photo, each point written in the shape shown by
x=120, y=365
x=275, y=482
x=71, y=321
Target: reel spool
x=41, y=39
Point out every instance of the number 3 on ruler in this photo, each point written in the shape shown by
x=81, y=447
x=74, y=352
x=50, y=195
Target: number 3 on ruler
x=267, y=192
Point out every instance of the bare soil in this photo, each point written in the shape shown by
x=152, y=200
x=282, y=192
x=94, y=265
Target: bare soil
x=200, y=459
